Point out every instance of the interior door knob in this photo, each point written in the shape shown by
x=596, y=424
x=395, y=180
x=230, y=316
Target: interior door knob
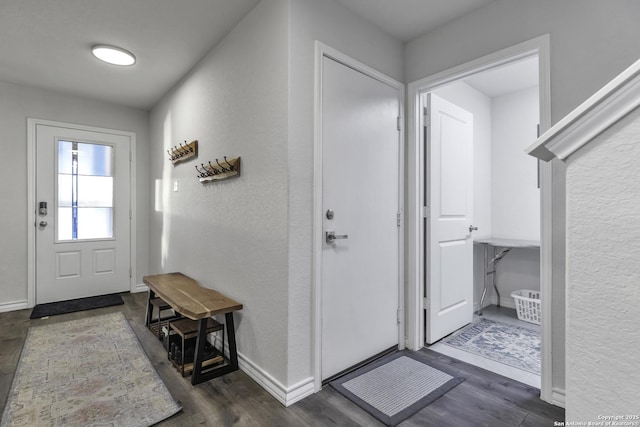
x=43, y=223
x=472, y=228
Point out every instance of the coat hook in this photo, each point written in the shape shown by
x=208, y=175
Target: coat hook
x=183, y=151
x=227, y=162
x=216, y=171
x=221, y=167
x=187, y=148
x=213, y=169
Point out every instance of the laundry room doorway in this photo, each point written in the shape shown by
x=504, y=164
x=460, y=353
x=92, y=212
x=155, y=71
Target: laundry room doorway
x=510, y=193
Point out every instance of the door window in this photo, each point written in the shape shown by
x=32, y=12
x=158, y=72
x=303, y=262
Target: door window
x=85, y=191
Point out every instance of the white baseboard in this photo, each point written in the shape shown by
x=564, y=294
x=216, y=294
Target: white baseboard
x=507, y=302
x=140, y=287
x=285, y=395
x=13, y=306
x=558, y=397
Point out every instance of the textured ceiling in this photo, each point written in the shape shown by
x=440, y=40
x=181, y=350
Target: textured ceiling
x=407, y=19
x=509, y=78
x=46, y=43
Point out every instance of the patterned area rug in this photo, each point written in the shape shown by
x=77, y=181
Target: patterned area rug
x=507, y=344
x=88, y=372
x=396, y=386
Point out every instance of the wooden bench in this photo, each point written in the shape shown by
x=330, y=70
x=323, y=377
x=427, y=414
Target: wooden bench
x=193, y=301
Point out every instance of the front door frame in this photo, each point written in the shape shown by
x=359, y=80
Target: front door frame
x=321, y=51
x=415, y=234
x=32, y=123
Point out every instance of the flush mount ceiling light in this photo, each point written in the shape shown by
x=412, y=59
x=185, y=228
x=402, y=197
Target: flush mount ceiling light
x=113, y=55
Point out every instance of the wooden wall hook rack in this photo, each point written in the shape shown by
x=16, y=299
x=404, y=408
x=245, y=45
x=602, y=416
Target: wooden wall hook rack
x=219, y=170
x=183, y=151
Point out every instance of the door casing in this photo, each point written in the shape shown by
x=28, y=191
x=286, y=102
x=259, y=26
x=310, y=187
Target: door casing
x=322, y=50
x=31, y=201
x=415, y=299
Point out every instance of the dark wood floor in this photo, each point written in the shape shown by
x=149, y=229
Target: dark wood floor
x=483, y=399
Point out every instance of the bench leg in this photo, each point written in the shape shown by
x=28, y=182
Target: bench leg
x=147, y=320
x=231, y=336
x=198, y=376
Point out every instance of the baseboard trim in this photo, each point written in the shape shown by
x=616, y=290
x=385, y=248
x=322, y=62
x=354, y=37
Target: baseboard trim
x=285, y=395
x=558, y=397
x=140, y=287
x=507, y=302
x=13, y=306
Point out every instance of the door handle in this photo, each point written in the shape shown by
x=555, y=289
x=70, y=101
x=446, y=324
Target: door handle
x=472, y=228
x=43, y=223
x=330, y=236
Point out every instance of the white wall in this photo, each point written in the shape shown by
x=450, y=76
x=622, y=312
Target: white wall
x=251, y=237
x=603, y=275
x=17, y=103
x=591, y=42
x=515, y=202
x=231, y=235
x=515, y=197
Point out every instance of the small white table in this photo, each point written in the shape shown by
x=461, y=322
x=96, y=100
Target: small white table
x=494, y=250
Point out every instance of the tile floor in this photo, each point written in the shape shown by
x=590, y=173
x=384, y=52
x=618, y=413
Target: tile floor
x=499, y=314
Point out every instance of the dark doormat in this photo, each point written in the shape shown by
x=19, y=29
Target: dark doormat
x=397, y=386
x=70, y=306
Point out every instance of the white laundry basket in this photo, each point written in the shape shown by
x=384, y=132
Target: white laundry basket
x=527, y=305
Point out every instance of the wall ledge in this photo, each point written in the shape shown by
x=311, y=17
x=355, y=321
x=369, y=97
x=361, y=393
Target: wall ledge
x=608, y=105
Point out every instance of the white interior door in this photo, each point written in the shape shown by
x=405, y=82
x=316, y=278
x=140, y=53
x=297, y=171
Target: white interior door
x=83, y=213
x=360, y=202
x=449, y=198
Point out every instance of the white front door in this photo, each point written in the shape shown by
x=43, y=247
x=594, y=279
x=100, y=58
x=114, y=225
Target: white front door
x=82, y=213
x=449, y=245
x=360, y=205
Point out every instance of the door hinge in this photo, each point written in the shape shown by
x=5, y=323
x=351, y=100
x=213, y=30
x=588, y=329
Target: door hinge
x=398, y=123
x=398, y=219
x=426, y=303
x=398, y=315
x=130, y=273
x=425, y=212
